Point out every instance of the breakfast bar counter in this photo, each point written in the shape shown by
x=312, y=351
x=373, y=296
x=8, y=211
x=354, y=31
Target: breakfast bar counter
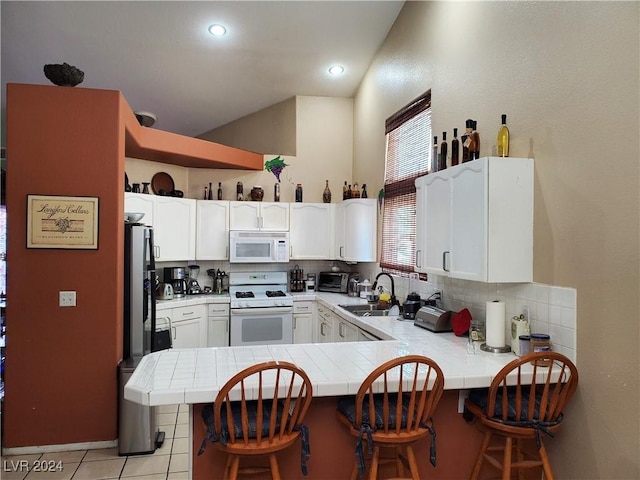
x=194, y=376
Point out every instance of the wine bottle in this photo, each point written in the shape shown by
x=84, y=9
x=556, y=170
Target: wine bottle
x=444, y=147
x=503, y=138
x=276, y=192
x=434, y=155
x=466, y=140
x=349, y=192
x=219, y=190
x=205, y=193
x=326, y=195
x=299, y=192
x=364, y=190
x=476, y=141
x=345, y=191
x=455, y=147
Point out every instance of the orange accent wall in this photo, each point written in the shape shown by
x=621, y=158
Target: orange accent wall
x=61, y=363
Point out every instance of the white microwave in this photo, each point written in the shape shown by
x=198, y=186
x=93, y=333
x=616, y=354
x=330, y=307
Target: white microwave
x=258, y=247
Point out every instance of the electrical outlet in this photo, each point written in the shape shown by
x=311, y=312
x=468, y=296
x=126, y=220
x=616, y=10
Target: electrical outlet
x=67, y=299
x=525, y=312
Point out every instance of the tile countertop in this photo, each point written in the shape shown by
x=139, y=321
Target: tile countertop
x=195, y=375
x=187, y=300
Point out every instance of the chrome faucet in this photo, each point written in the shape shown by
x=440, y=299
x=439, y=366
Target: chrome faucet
x=393, y=287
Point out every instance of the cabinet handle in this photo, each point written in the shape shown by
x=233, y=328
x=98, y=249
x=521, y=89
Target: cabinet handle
x=444, y=258
x=341, y=329
x=187, y=313
x=295, y=323
x=322, y=328
x=418, y=255
x=341, y=255
x=303, y=308
x=173, y=330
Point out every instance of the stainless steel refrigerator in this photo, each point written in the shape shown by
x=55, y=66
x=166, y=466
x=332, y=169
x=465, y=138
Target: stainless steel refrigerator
x=137, y=426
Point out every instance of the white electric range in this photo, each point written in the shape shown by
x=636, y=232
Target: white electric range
x=261, y=308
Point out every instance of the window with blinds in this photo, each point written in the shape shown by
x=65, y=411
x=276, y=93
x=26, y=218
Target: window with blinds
x=408, y=156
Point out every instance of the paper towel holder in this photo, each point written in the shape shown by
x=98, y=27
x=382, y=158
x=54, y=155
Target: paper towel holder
x=486, y=348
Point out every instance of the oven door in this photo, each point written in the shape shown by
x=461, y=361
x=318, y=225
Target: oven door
x=261, y=326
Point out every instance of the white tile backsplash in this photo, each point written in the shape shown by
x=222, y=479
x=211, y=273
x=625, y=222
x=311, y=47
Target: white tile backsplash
x=552, y=309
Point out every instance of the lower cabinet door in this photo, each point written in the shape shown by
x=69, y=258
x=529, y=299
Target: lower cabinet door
x=346, y=332
x=218, y=332
x=186, y=334
x=302, y=328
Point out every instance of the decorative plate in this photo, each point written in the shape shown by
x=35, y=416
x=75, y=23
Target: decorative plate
x=162, y=181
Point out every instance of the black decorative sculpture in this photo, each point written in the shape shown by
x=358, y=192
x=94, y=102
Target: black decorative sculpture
x=64, y=75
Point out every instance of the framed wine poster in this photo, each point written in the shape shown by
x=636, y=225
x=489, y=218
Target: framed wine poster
x=62, y=222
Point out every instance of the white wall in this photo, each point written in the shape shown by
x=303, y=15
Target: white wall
x=567, y=76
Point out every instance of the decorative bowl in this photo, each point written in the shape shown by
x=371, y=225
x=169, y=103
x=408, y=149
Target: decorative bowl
x=133, y=217
x=63, y=75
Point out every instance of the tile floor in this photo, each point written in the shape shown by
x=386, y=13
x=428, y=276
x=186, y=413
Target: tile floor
x=169, y=462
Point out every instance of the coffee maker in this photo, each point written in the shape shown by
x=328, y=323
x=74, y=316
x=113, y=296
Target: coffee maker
x=177, y=277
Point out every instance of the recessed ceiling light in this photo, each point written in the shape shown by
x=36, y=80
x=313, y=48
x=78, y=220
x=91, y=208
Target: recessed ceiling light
x=217, y=30
x=336, y=70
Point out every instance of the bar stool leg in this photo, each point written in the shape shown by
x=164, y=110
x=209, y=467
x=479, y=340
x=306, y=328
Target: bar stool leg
x=373, y=474
x=546, y=466
x=399, y=464
x=506, y=462
x=275, y=471
x=483, y=448
x=413, y=465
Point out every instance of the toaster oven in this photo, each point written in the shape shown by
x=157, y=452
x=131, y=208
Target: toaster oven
x=335, y=282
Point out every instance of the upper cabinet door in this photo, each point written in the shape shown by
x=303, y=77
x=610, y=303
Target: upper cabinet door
x=212, y=230
x=175, y=228
x=311, y=233
x=469, y=204
x=244, y=215
x=273, y=216
x=436, y=215
x=141, y=202
x=357, y=232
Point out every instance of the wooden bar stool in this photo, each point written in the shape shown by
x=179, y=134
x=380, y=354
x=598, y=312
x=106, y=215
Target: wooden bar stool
x=393, y=410
x=520, y=406
x=259, y=411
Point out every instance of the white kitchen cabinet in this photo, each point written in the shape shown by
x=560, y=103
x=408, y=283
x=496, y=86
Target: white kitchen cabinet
x=189, y=326
x=218, y=325
x=356, y=230
x=269, y=216
x=488, y=204
x=325, y=325
x=141, y=202
x=346, y=331
x=175, y=229
x=302, y=322
x=311, y=231
x=433, y=214
x=212, y=230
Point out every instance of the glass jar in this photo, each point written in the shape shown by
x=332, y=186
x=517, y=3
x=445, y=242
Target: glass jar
x=540, y=342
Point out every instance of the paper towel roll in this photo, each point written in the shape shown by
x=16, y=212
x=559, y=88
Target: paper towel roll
x=495, y=324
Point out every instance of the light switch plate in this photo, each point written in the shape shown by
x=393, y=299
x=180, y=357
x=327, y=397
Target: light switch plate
x=67, y=299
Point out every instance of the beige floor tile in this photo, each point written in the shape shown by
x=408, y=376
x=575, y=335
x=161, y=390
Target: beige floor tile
x=181, y=431
x=178, y=476
x=168, y=430
x=179, y=462
x=147, y=465
x=183, y=417
x=53, y=471
x=16, y=467
x=180, y=445
x=101, y=454
x=166, y=448
x=167, y=408
x=100, y=469
x=74, y=456
x=155, y=476
x=166, y=419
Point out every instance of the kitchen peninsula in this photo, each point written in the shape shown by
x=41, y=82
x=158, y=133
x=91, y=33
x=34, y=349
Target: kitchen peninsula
x=194, y=376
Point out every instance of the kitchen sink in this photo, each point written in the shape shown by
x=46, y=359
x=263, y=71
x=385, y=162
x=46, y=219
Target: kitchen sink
x=366, y=310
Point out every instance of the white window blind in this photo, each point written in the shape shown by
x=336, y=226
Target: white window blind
x=408, y=136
